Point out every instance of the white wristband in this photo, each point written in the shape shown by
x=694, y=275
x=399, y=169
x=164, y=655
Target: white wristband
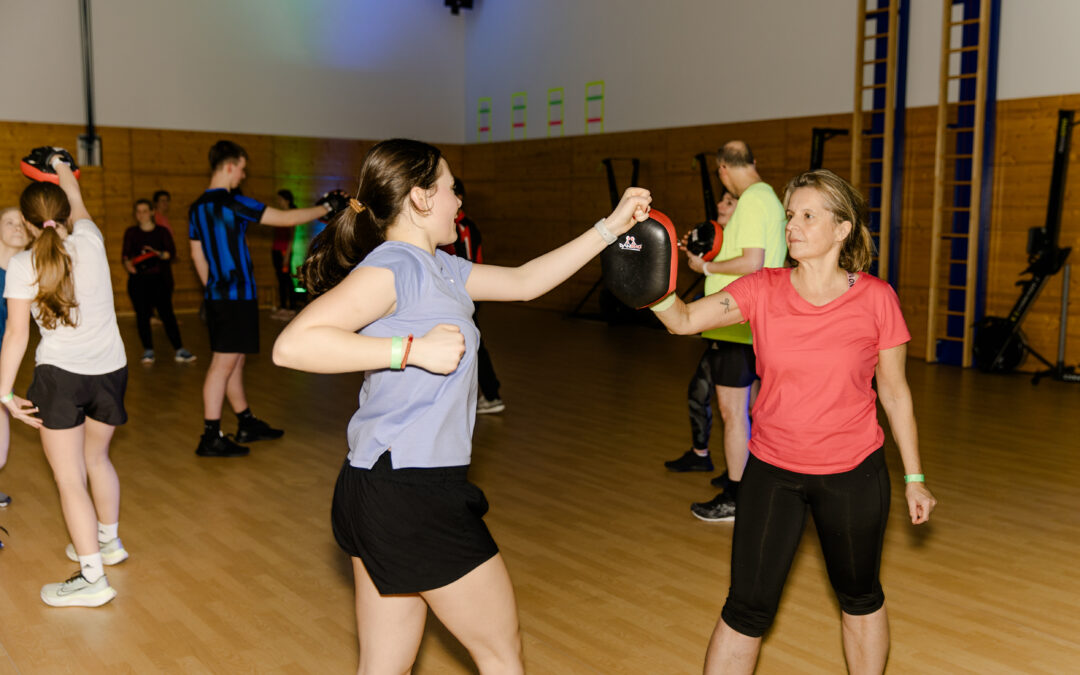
x=705, y=270
x=605, y=233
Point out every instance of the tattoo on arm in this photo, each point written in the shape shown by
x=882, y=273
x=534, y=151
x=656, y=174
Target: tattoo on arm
x=726, y=302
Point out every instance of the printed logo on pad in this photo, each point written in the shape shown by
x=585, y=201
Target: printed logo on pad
x=630, y=244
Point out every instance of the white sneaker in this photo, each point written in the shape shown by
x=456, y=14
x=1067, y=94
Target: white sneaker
x=112, y=552
x=484, y=406
x=78, y=592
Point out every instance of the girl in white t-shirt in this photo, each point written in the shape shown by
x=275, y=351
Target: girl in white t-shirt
x=76, y=399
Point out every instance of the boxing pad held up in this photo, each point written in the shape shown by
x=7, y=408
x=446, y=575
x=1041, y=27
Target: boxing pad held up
x=35, y=166
x=705, y=240
x=641, y=266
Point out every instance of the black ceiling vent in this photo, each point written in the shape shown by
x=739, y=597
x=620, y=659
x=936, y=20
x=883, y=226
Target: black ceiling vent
x=457, y=5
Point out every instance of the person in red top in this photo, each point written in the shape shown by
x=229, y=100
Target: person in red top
x=823, y=329
x=162, y=201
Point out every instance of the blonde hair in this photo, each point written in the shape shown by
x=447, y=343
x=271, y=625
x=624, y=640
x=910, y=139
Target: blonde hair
x=41, y=203
x=844, y=203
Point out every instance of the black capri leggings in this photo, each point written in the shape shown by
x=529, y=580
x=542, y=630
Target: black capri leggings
x=850, y=510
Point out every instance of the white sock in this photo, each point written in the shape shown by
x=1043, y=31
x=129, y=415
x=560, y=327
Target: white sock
x=92, y=568
x=107, y=532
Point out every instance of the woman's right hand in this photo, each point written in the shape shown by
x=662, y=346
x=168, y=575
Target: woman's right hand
x=23, y=410
x=631, y=210
x=439, y=351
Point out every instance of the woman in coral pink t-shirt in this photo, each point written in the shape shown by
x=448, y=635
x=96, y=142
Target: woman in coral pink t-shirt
x=823, y=329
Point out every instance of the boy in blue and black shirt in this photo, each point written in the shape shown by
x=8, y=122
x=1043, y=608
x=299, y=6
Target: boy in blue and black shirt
x=217, y=224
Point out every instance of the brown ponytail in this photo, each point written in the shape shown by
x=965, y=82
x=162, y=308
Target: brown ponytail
x=391, y=169
x=41, y=203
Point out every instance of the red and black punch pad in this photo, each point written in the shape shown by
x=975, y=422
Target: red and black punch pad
x=35, y=166
x=640, y=268
x=705, y=240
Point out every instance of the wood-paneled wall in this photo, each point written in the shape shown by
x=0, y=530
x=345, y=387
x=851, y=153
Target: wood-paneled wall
x=529, y=196
x=137, y=162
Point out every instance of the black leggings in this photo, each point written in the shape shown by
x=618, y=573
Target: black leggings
x=699, y=400
x=850, y=510
x=149, y=292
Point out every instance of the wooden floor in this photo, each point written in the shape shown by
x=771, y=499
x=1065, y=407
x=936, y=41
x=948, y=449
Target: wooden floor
x=233, y=567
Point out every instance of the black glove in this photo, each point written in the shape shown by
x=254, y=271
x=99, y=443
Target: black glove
x=38, y=164
x=337, y=200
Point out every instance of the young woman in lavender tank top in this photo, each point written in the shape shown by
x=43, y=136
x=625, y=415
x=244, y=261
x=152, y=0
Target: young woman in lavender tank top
x=389, y=303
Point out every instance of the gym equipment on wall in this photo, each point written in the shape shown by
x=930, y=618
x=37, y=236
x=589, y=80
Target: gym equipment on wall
x=1000, y=345
x=877, y=125
x=963, y=178
x=818, y=138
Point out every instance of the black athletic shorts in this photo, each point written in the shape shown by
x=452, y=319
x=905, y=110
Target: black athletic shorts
x=65, y=399
x=234, y=326
x=414, y=529
x=732, y=363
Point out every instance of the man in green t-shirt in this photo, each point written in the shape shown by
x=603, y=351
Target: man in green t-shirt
x=754, y=238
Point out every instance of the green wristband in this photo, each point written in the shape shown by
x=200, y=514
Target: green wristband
x=7, y=397
x=664, y=304
x=397, y=352
x=914, y=478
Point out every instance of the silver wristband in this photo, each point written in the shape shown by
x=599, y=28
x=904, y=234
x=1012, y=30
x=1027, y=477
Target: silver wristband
x=605, y=233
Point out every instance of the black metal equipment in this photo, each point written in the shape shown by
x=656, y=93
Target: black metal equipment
x=611, y=310
x=711, y=212
x=817, y=144
x=89, y=150
x=1000, y=344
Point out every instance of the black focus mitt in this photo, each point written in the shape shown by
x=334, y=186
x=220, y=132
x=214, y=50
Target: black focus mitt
x=336, y=200
x=705, y=240
x=640, y=267
x=37, y=166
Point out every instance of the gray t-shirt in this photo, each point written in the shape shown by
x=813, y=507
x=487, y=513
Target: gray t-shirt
x=424, y=419
x=93, y=346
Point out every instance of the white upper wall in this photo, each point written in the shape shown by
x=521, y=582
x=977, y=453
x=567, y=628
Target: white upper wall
x=692, y=62
x=380, y=68
x=331, y=68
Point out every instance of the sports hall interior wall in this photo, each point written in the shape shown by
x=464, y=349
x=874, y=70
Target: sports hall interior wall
x=528, y=196
x=136, y=162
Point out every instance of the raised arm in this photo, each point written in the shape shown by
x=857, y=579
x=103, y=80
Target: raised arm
x=540, y=275
x=712, y=311
x=323, y=337
x=70, y=185
x=895, y=397
x=751, y=260
x=291, y=217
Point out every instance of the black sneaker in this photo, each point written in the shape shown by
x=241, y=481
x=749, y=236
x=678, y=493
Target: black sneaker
x=722, y=481
x=254, y=429
x=219, y=446
x=719, y=508
x=690, y=461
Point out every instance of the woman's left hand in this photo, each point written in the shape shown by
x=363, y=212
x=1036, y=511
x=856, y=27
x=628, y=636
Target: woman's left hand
x=695, y=262
x=631, y=209
x=920, y=502
x=23, y=410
